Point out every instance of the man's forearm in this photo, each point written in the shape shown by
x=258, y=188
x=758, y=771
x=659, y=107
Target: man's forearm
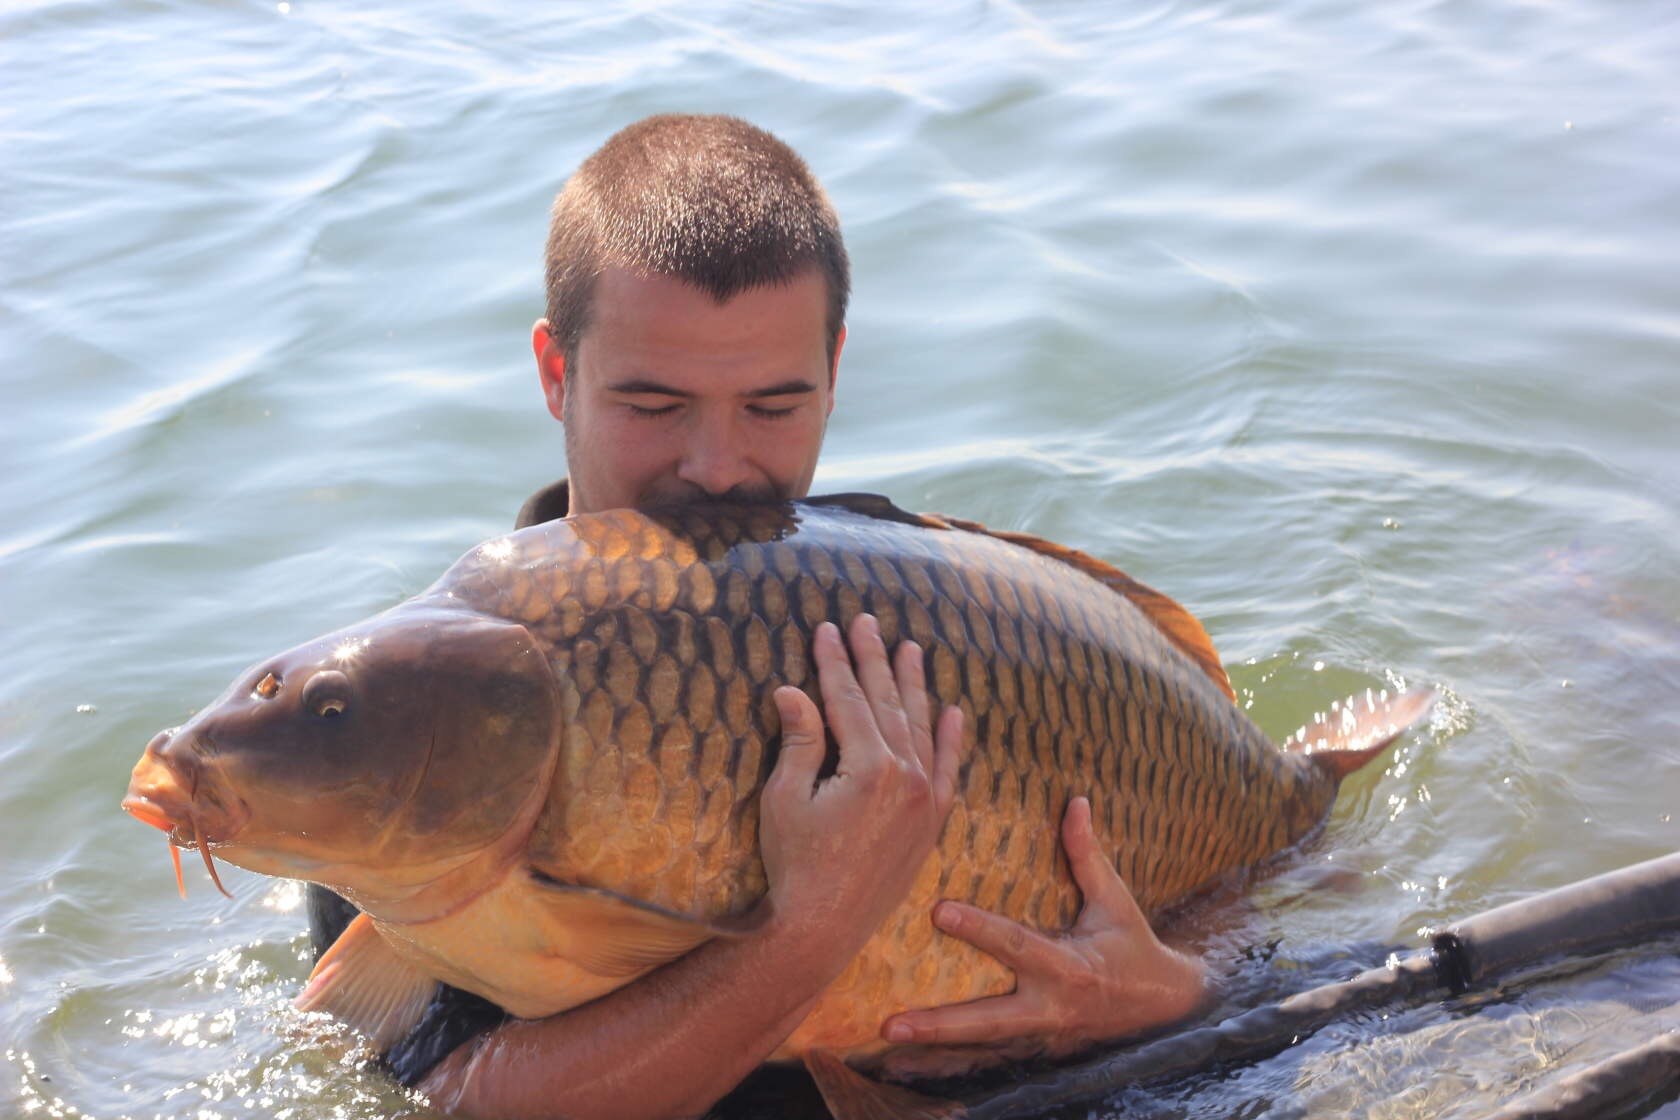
x=669, y=1044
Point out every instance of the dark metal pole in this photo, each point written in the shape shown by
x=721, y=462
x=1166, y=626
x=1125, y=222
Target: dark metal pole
x=1623, y=907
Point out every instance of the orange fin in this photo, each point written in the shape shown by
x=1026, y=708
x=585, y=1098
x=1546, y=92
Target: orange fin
x=613, y=936
x=1358, y=729
x=1180, y=627
x=361, y=981
x=852, y=1096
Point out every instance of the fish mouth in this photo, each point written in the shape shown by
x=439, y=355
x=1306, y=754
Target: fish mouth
x=158, y=796
x=146, y=812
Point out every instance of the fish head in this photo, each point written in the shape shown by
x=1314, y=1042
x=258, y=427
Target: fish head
x=373, y=760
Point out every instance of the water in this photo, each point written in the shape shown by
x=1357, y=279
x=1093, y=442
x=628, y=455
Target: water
x=1354, y=327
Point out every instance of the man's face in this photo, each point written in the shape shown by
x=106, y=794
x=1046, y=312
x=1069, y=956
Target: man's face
x=674, y=396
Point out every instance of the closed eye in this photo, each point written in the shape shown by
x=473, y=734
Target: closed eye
x=765, y=413
x=642, y=410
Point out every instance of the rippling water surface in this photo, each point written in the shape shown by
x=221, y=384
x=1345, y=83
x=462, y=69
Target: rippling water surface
x=1355, y=327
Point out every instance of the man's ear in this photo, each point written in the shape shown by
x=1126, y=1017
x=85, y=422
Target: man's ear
x=834, y=366
x=551, y=368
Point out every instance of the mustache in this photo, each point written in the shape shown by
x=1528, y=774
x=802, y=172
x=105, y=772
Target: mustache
x=679, y=492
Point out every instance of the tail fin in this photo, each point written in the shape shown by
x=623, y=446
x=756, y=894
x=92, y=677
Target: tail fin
x=1358, y=729
x=852, y=1096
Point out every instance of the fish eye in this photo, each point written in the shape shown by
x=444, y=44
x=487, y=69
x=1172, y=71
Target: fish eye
x=327, y=693
x=267, y=688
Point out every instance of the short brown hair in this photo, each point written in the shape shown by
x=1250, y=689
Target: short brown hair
x=710, y=200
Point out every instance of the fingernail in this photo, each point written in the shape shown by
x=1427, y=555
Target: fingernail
x=899, y=1032
x=947, y=917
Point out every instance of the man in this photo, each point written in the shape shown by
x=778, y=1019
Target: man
x=697, y=289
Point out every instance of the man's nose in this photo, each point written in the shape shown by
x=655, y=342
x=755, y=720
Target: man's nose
x=715, y=459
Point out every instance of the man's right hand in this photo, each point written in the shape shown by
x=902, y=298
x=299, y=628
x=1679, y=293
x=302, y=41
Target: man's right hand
x=841, y=854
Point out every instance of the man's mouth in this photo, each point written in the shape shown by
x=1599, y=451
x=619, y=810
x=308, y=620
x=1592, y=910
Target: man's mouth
x=679, y=493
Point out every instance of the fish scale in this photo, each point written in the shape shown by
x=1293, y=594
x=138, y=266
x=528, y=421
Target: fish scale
x=1067, y=686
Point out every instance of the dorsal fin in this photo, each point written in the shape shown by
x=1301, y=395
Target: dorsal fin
x=877, y=506
x=1178, y=625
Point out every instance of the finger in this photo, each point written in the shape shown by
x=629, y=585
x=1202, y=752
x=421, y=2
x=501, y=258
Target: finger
x=844, y=703
x=875, y=674
x=912, y=694
x=950, y=750
x=1024, y=951
x=1079, y=838
x=983, y=1020
x=1107, y=898
x=803, y=744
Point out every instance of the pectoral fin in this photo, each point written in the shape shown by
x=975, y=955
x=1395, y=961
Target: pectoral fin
x=363, y=982
x=614, y=936
x=852, y=1096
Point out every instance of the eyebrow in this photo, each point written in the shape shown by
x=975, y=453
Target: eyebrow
x=647, y=385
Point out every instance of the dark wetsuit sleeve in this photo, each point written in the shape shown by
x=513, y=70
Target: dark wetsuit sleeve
x=551, y=502
x=454, y=1017
x=328, y=915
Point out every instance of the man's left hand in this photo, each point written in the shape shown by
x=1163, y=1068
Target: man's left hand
x=1107, y=977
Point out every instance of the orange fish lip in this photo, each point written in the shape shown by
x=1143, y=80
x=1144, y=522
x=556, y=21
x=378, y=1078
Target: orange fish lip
x=149, y=812
x=189, y=830
x=191, y=836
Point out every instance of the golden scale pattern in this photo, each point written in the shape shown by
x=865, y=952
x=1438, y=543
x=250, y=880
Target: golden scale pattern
x=670, y=631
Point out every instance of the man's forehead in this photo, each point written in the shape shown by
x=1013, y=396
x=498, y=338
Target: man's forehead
x=660, y=333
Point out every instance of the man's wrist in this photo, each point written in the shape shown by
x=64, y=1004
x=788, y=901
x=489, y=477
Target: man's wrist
x=1195, y=986
x=806, y=937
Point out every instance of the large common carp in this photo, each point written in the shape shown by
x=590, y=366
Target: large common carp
x=540, y=777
